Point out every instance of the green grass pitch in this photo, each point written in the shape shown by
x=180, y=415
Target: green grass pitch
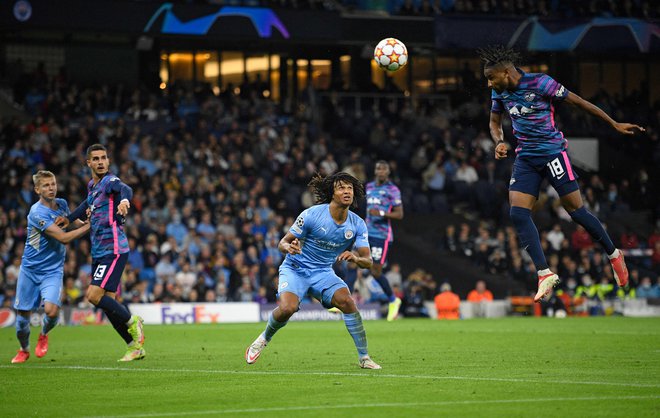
x=510, y=367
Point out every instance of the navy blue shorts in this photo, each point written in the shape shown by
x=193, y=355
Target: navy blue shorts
x=379, y=248
x=108, y=270
x=529, y=172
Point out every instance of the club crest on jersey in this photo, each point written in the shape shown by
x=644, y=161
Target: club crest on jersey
x=42, y=223
x=530, y=96
x=348, y=234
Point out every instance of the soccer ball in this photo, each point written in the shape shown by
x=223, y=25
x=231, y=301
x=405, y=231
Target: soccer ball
x=391, y=54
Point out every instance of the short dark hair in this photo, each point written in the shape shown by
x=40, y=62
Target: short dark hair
x=493, y=55
x=95, y=147
x=324, y=187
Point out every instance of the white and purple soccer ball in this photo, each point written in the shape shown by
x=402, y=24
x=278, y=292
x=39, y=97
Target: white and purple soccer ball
x=391, y=54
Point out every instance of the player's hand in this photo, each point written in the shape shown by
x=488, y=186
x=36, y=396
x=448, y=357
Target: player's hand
x=501, y=150
x=347, y=256
x=374, y=212
x=62, y=222
x=122, y=207
x=294, y=247
x=627, y=128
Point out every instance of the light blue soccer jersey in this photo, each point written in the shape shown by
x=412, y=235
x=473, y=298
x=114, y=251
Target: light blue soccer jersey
x=532, y=111
x=107, y=232
x=381, y=197
x=43, y=253
x=322, y=239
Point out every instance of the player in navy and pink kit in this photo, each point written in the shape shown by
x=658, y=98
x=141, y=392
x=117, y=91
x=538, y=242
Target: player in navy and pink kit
x=529, y=98
x=108, y=201
x=383, y=205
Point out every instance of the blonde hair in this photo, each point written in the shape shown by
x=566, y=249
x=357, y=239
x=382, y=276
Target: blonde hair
x=41, y=174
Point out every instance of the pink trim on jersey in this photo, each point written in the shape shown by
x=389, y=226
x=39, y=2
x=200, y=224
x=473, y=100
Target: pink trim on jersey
x=110, y=270
x=386, y=246
x=569, y=169
x=111, y=216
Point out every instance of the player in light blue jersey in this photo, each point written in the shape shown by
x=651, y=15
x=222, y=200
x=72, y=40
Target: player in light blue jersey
x=320, y=236
x=42, y=265
x=108, y=201
x=529, y=99
x=383, y=205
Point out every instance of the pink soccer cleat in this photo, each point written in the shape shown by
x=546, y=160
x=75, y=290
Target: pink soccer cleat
x=42, y=346
x=620, y=270
x=546, y=283
x=21, y=357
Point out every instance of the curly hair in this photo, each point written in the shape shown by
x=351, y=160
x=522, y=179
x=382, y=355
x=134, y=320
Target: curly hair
x=493, y=55
x=324, y=187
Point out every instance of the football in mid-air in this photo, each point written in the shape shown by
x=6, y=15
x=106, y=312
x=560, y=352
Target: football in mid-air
x=391, y=54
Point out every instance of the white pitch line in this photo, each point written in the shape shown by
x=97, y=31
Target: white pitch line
x=378, y=405
x=370, y=374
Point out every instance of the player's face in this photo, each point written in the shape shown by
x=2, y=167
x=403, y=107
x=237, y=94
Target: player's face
x=498, y=78
x=47, y=188
x=343, y=193
x=98, y=161
x=382, y=172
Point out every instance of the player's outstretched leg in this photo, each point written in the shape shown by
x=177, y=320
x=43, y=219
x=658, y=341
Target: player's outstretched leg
x=547, y=281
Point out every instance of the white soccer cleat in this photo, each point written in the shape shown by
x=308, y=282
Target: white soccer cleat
x=254, y=350
x=368, y=363
x=546, y=283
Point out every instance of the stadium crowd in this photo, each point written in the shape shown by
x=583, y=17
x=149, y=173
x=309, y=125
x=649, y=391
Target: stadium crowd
x=218, y=179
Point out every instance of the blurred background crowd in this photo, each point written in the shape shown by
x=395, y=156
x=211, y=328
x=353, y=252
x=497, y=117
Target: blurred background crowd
x=218, y=179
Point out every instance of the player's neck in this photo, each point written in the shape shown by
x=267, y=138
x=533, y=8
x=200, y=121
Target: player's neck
x=98, y=177
x=380, y=183
x=338, y=212
x=49, y=203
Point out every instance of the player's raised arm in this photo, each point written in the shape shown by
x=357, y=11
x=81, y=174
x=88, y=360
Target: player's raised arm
x=621, y=127
x=497, y=134
x=65, y=237
x=289, y=244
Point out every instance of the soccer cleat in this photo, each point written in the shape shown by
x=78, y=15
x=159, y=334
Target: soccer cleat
x=334, y=310
x=368, y=363
x=546, y=283
x=620, y=270
x=254, y=350
x=136, y=330
x=42, y=346
x=21, y=357
x=133, y=353
x=393, y=310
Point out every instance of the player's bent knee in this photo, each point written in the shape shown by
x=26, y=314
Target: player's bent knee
x=51, y=310
x=94, y=295
x=346, y=305
x=288, y=309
